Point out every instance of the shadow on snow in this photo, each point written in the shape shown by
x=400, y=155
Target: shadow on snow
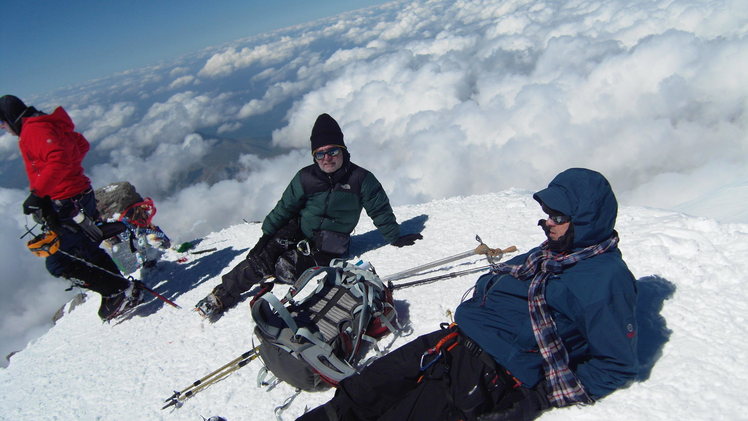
x=172, y=279
x=372, y=240
x=653, y=331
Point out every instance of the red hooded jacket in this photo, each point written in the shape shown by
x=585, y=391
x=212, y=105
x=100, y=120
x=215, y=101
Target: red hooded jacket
x=53, y=154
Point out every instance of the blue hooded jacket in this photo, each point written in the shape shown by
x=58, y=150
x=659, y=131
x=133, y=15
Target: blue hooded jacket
x=592, y=301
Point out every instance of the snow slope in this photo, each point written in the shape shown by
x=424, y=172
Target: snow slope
x=692, y=313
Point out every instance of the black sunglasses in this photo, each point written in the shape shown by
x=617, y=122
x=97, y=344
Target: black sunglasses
x=320, y=155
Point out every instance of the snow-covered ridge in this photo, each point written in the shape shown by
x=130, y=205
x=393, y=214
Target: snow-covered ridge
x=691, y=315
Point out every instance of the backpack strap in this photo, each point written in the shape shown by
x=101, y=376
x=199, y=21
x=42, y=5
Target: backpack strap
x=339, y=370
x=303, y=280
x=368, y=286
x=321, y=352
x=261, y=312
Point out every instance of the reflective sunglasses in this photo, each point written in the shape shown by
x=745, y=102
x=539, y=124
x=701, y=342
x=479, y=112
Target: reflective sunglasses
x=320, y=155
x=559, y=219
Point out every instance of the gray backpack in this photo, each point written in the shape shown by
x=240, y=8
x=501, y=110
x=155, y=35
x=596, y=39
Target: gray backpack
x=319, y=340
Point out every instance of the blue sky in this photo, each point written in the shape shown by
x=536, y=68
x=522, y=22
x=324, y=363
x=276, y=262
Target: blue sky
x=46, y=45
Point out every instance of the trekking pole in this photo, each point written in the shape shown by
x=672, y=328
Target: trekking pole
x=140, y=283
x=118, y=275
x=481, y=249
x=440, y=277
x=453, y=274
x=178, y=398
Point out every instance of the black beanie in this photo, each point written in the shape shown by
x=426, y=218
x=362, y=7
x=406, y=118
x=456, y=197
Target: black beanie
x=326, y=132
x=11, y=110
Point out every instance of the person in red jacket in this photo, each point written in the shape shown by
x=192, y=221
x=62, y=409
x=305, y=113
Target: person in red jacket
x=61, y=197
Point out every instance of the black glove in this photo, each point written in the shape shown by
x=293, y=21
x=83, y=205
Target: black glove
x=261, y=243
x=41, y=208
x=530, y=405
x=34, y=204
x=407, y=240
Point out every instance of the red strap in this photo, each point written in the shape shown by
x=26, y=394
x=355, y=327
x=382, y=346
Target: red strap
x=443, y=341
x=150, y=210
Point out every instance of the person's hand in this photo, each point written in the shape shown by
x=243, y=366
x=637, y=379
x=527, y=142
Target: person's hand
x=42, y=210
x=532, y=404
x=34, y=204
x=407, y=240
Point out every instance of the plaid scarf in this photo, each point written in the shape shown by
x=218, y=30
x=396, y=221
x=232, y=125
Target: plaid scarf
x=540, y=266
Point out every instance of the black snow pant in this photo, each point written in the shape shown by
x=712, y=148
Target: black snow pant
x=103, y=276
x=460, y=384
x=280, y=258
x=92, y=267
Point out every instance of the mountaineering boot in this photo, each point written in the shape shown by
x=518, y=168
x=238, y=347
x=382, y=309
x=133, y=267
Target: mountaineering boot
x=211, y=307
x=121, y=302
x=229, y=292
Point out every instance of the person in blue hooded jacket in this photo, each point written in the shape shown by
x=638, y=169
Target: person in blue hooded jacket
x=553, y=327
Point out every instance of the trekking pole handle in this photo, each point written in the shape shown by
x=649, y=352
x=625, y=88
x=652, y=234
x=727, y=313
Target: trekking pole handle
x=493, y=255
x=489, y=252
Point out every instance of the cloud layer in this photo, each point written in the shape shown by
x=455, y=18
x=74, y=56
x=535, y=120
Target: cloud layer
x=438, y=99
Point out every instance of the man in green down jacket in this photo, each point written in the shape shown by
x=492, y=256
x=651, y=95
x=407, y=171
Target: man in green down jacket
x=312, y=222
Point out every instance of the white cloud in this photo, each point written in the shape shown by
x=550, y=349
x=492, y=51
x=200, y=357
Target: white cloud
x=201, y=208
x=274, y=95
x=178, y=71
x=228, y=127
x=232, y=59
x=158, y=171
x=182, y=81
x=29, y=294
x=9, y=146
x=101, y=121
